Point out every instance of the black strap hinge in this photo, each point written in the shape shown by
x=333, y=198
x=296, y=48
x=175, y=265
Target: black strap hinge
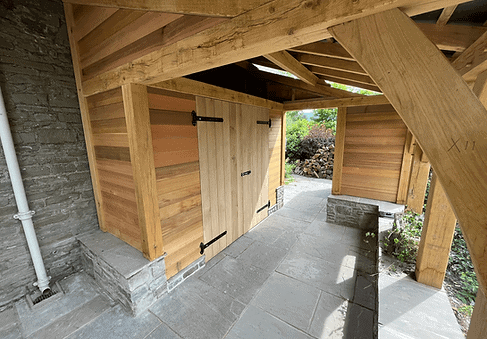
x=197, y=118
x=264, y=123
x=243, y=174
x=265, y=206
x=203, y=246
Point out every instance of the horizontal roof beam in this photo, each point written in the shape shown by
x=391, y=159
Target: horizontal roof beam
x=332, y=103
x=272, y=27
x=287, y=62
x=223, y=8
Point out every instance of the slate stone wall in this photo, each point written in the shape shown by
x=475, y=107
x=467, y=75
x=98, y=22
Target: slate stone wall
x=37, y=81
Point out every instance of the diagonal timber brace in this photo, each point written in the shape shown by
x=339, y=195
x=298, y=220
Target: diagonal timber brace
x=439, y=109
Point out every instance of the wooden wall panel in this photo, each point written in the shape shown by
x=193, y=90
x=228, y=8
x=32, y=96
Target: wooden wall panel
x=374, y=145
x=275, y=139
x=112, y=161
x=175, y=145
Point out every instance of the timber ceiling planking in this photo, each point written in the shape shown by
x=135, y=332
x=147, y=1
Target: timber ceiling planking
x=128, y=41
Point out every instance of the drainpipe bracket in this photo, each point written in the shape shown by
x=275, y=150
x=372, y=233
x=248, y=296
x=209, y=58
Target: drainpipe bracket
x=24, y=215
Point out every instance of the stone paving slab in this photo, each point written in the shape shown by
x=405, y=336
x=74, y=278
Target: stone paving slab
x=256, y=323
x=289, y=300
x=197, y=310
x=328, y=277
x=408, y=309
x=238, y=280
x=117, y=324
x=329, y=318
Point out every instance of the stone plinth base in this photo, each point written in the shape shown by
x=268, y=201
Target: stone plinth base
x=123, y=272
x=348, y=211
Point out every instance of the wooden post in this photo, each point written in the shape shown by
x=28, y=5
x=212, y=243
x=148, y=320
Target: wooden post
x=436, y=237
x=478, y=325
x=418, y=181
x=339, y=148
x=407, y=159
x=136, y=106
x=283, y=148
x=438, y=107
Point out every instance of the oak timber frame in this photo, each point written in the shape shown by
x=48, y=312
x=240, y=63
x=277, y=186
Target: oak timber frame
x=426, y=92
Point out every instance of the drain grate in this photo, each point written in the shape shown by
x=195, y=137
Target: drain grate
x=38, y=300
x=44, y=296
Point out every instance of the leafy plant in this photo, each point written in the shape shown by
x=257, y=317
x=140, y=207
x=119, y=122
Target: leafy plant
x=326, y=118
x=403, y=240
x=467, y=310
x=460, y=266
x=289, y=167
x=297, y=127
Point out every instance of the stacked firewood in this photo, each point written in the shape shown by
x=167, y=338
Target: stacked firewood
x=320, y=165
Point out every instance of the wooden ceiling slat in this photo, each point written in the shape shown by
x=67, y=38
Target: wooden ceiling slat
x=446, y=15
x=327, y=49
x=143, y=26
x=473, y=60
x=287, y=62
x=331, y=63
x=364, y=79
x=350, y=83
x=89, y=18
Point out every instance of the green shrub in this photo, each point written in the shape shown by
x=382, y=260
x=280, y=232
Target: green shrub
x=403, y=240
x=296, y=129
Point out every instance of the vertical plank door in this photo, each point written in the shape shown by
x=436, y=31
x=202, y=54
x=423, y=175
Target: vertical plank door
x=227, y=150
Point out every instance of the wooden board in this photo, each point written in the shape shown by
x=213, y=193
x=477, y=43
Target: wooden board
x=239, y=144
x=176, y=161
x=373, y=152
x=275, y=139
x=418, y=180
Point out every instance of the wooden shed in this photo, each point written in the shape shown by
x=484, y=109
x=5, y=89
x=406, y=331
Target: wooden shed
x=185, y=134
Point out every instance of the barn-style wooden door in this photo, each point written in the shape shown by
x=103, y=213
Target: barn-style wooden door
x=234, y=163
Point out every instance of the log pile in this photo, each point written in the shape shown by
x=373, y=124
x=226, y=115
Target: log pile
x=320, y=165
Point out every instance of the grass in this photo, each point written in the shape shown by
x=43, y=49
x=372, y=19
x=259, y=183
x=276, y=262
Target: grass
x=288, y=178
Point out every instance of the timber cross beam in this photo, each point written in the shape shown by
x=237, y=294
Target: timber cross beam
x=437, y=106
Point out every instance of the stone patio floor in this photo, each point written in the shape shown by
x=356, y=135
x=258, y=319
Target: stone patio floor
x=292, y=276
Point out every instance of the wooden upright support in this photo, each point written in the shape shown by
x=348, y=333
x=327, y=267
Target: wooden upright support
x=418, y=180
x=478, y=325
x=136, y=106
x=407, y=160
x=438, y=107
x=436, y=237
x=339, y=148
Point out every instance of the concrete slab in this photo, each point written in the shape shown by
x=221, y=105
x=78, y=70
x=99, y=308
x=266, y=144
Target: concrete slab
x=329, y=318
x=197, y=310
x=305, y=201
x=238, y=280
x=288, y=299
x=408, y=309
x=322, y=229
x=256, y=323
x=328, y=277
x=117, y=324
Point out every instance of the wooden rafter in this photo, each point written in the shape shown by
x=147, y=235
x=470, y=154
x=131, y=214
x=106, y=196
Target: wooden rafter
x=204, y=7
x=331, y=103
x=287, y=62
x=272, y=27
x=438, y=107
x=358, y=78
x=331, y=63
x=473, y=60
x=452, y=37
x=321, y=88
x=350, y=83
x=446, y=15
x=326, y=49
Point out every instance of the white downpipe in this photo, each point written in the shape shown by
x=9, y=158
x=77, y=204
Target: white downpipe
x=25, y=214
